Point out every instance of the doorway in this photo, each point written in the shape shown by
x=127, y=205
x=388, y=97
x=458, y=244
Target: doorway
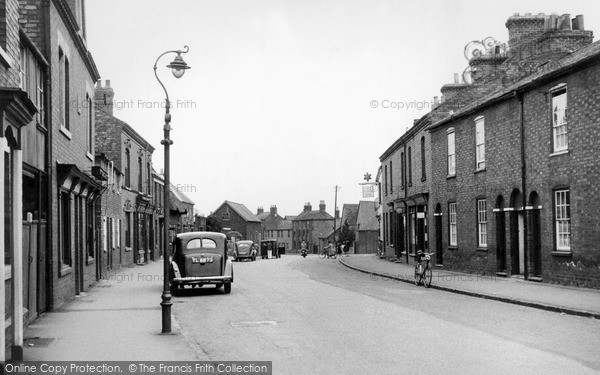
x=500, y=236
x=535, y=225
x=439, y=253
x=517, y=233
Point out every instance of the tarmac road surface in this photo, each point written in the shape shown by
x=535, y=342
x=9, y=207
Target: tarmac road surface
x=315, y=316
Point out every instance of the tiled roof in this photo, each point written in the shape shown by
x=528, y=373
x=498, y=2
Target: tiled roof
x=241, y=210
x=367, y=216
x=263, y=215
x=180, y=195
x=313, y=215
x=548, y=71
x=349, y=213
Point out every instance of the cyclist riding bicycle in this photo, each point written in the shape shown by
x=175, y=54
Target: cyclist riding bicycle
x=327, y=249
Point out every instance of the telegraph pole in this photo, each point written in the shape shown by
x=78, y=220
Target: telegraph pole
x=336, y=189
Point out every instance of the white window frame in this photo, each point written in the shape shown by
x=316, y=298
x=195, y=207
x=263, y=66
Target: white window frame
x=24, y=60
x=104, y=233
x=481, y=223
x=480, y=143
x=452, y=224
x=560, y=135
x=562, y=219
x=451, y=149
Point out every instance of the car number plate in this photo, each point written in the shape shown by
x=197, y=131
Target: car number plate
x=202, y=260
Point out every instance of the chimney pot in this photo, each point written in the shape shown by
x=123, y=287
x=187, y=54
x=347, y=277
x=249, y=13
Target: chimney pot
x=108, y=83
x=456, y=78
x=565, y=22
x=578, y=21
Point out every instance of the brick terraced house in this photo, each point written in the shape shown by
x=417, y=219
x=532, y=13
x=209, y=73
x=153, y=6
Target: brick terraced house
x=132, y=155
x=514, y=165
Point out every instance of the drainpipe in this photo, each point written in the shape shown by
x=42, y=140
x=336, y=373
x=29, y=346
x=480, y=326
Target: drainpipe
x=405, y=220
x=520, y=98
x=49, y=164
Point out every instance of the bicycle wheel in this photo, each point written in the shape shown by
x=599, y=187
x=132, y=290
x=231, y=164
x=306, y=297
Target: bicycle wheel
x=427, y=276
x=322, y=255
x=417, y=274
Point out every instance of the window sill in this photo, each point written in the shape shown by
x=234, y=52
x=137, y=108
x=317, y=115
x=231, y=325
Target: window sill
x=90, y=261
x=452, y=248
x=7, y=272
x=5, y=59
x=423, y=179
x=482, y=249
x=128, y=248
x=65, y=270
x=563, y=254
x=450, y=176
x=66, y=132
x=557, y=153
x=89, y=156
x=479, y=170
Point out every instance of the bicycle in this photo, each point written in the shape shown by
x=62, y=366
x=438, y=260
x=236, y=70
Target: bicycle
x=326, y=254
x=423, y=273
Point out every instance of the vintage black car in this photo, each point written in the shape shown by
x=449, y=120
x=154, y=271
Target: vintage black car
x=244, y=250
x=200, y=258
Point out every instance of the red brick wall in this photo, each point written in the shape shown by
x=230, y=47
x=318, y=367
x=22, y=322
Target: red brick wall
x=71, y=150
x=9, y=41
x=579, y=170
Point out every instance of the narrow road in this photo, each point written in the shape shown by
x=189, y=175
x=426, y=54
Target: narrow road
x=314, y=316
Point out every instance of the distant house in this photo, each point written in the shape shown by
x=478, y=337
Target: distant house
x=237, y=217
x=182, y=210
x=367, y=228
x=276, y=227
x=309, y=226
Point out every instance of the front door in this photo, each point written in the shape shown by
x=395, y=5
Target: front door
x=439, y=253
x=517, y=243
x=501, y=241
x=536, y=246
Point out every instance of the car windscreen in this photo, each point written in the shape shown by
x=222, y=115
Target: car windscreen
x=205, y=244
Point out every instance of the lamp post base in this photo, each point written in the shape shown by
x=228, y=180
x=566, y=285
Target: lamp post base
x=166, y=312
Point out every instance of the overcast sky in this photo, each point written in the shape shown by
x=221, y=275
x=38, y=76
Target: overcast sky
x=276, y=109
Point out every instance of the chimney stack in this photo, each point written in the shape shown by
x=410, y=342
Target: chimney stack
x=322, y=206
x=307, y=207
x=103, y=97
x=274, y=210
x=259, y=210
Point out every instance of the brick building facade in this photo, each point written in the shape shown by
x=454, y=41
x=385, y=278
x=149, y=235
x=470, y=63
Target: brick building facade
x=132, y=155
x=109, y=214
x=24, y=208
x=73, y=74
x=310, y=226
x=237, y=217
x=274, y=226
x=512, y=173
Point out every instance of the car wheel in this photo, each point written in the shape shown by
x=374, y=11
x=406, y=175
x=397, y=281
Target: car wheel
x=227, y=289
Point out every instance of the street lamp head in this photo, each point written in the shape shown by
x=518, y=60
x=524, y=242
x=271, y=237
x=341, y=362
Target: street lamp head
x=178, y=66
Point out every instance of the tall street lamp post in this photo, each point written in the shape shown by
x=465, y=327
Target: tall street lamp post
x=178, y=67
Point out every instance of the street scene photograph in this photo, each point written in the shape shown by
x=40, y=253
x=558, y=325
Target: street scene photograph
x=299, y=187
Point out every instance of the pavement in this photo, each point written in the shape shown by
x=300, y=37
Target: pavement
x=551, y=297
x=118, y=319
